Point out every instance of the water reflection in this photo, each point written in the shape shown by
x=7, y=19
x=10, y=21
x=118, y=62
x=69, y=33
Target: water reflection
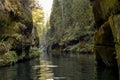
x=18, y=72
x=107, y=74
x=72, y=67
x=76, y=68
x=45, y=71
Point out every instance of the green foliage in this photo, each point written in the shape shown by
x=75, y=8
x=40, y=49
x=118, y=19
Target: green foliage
x=34, y=52
x=71, y=20
x=10, y=57
x=4, y=47
x=15, y=32
x=38, y=18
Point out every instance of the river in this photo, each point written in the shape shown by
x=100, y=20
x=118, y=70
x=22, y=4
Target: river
x=70, y=67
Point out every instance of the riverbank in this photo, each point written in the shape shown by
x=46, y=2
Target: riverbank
x=10, y=58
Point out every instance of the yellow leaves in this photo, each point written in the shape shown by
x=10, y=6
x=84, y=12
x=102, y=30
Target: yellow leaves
x=38, y=18
x=11, y=5
x=37, y=14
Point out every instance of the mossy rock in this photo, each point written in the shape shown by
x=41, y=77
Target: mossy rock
x=15, y=30
x=115, y=26
x=103, y=9
x=117, y=49
x=109, y=7
x=104, y=36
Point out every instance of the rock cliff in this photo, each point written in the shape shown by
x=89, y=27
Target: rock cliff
x=107, y=35
x=15, y=27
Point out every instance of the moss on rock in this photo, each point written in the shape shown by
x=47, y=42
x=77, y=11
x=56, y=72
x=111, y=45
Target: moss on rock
x=117, y=49
x=15, y=30
x=115, y=26
x=107, y=19
x=104, y=36
x=103, y=9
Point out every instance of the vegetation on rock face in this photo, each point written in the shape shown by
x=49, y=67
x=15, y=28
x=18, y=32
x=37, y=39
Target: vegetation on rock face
x=71, y=25
x=15, y=30
x=38, y=19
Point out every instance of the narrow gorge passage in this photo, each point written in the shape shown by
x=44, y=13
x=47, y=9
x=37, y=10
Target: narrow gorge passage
x=59, y=39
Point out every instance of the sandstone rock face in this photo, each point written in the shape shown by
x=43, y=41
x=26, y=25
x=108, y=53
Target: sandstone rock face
x=15, y=25
x=107, y=35
x=103, y=9
x=115, y=27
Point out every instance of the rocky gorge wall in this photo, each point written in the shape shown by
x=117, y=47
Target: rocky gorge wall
x=71, y=26
x=107, y=35
x=15, y=30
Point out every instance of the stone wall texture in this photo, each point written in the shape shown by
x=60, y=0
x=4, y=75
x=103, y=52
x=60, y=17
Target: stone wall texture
x=107, y=35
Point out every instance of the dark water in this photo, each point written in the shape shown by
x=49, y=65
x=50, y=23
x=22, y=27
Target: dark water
x=72, y=67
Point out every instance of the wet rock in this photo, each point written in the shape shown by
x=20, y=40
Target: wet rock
x=104, y=36
x=107, y=36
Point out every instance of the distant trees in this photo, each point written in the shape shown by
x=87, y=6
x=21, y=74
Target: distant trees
x=37, y=15
x=69, y=20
